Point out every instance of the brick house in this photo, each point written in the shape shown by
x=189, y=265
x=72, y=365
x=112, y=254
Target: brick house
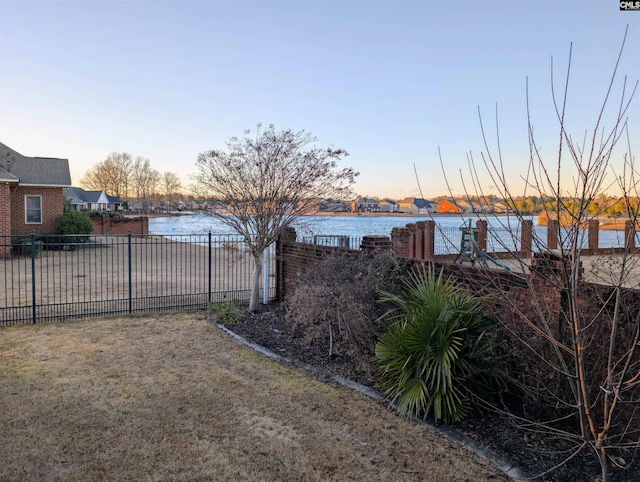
x=365, y=205
x=31, y=193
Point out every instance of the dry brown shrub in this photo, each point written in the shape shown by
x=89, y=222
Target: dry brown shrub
x=335, y=305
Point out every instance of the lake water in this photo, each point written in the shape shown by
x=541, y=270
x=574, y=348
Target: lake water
x=352, y=226
x=358, y=226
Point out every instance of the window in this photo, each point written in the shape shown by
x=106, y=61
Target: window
x=33, y=209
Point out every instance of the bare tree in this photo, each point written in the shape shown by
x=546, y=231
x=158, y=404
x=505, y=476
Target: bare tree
x=584, y=362
x=154, y=185
x=111, y=175
x=144, y=180
x=171, y=184
x=268, y=182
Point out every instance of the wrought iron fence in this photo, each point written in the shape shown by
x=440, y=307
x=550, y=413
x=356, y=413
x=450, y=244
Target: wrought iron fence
x=446, y=240
x=333, y=240
x=48, y=278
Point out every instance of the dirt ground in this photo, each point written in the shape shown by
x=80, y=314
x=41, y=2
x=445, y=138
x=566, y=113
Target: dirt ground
x=172, y=397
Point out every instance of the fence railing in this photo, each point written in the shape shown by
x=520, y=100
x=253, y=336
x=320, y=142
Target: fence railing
x=333, y=240
x=48, y=278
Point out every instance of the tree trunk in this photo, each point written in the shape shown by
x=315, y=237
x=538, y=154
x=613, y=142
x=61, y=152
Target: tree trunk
x=605, y=465
x=255, y=286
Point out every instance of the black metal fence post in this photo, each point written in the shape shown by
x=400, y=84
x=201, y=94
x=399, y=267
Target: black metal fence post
x=33, y=277
x=130, y=280
x=209, y=271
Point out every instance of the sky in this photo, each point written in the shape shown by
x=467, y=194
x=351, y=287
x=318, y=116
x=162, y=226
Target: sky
x=398, y=84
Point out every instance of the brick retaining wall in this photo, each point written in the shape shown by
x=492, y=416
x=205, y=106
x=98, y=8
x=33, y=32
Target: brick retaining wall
x=120, y=225
x=516, y=296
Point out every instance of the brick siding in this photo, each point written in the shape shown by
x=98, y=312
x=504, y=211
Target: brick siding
x=5, y=219
x=52, y=207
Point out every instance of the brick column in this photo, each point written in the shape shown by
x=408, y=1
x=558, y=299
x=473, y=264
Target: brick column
x=418, y=240
x=593, y=234
x=400, y=240
x=482, y=228
x=413, y=229
x=526, y=238
x=429, y=239
x=629, y=235
x=553, y=228
x=375, y=244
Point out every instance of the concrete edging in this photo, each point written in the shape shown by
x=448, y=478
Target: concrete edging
x=485, y=453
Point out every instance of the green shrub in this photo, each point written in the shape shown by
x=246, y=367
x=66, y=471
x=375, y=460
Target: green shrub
x=101, y=214
x=22, y=246
x=74, y=222
x=436, y=357
x=226, y=312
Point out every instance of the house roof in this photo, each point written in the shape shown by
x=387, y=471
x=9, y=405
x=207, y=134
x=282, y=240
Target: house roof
x=418, y=202
x=366, y=200
x=6, y=176
x=114, y=199
x=422, y=203
x=77, y=195
x=74, y=195
x=33, y=171
x=93, y=196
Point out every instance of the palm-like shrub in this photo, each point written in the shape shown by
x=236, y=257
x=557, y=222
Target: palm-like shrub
x=436, y=356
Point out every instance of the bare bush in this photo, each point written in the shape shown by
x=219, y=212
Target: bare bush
x=335, y=304
x=574, y=351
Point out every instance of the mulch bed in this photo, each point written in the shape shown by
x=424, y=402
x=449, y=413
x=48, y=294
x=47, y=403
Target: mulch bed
x=533, y=454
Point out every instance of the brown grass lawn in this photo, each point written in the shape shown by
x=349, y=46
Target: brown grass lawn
x=171, y=397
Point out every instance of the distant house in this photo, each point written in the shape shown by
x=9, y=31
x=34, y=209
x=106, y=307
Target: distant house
x=500, y=208
x=332, y=205
x=447, y=206
x=115, y=203
x=31, y=192
x=470, y=207
x=417, y=205
x=389, y=206
x=82, y=200
x=217, y=206
x=365, y=205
